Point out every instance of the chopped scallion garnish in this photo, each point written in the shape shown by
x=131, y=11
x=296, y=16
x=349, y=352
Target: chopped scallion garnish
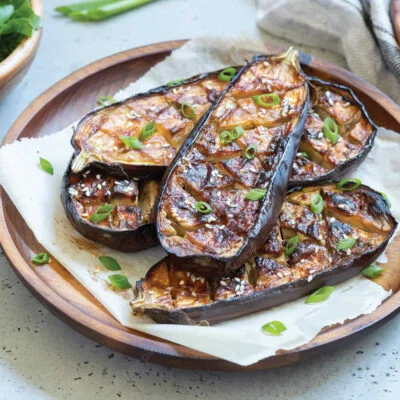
x=101, y=213
x=291, y=245
x=346, y=244
x=274, y=328
x=331, y=130
x=174, y=83
x=106, y=101
x=250, y=151
x=131, y=142
x=119, y=281
x=109, y=263
x=46, y=166
x=348, y=184
x=267, y=99
x=372, y=271
x=203, y=207
x=255, y=194
x=320, y=295
x=227, y=74
x=41, y=258
x=147, y=130
x=188, y=111
x=317, y=204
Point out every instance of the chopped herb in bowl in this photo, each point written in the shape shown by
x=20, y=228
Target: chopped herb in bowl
x=17, y=21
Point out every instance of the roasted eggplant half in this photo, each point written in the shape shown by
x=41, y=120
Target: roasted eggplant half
x=308, y=248
x=141, y=135
x=222, y=194
x=111, y=210
x=338, y=135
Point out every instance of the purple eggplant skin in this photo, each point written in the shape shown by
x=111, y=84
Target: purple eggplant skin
x=141, y=238
x=208, y=265
x=345, y=167
x=141, y=171
x=223, y=310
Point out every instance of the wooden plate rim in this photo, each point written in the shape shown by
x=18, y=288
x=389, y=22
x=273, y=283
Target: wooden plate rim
x=111, y=336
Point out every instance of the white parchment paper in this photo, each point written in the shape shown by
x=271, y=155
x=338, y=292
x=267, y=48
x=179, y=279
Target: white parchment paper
x=37, y=197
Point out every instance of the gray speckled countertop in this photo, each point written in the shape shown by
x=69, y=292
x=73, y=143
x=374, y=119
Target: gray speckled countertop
x=42, y=358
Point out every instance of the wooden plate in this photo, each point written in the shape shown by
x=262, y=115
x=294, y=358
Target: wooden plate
x=69, y=99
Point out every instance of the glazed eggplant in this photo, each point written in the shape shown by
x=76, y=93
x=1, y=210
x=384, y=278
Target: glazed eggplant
x=222, y=195
x=141, y=135
x=111, y=210
x=307, y=249
x=338, y=135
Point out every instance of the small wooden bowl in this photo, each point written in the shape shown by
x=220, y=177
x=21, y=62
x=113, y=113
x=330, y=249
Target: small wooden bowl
x=15, y=66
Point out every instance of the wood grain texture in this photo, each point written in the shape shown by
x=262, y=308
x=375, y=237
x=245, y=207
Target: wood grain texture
x=15, y=66
x=65, y=102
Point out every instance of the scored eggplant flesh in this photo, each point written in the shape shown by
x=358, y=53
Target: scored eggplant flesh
x=129, y=227
x=319, y=159
x=169, y=294
x=97, y=138
x=218, y=172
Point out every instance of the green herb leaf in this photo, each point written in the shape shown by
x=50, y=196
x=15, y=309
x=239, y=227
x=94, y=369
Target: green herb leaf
x=148, y=130
x=267, y=100
x=274, y=328
x=320, y=295
x=119, y=281
x=346, y=244
x=372, y=271
x=101, y=213
x=131, y=142
x=237, y=132
x=291, y=245
x=109, y=263
x=331, y=130
x=41, y=258
x=203, y=207
x=348, y=184
x=305, y=155
x=250, y=151
x=46, y=166
x=106, y=101
x=226, y=137
x=5, y=13
x=188, y=111
x=255, y=194
x=317, y=204
x=227, y=74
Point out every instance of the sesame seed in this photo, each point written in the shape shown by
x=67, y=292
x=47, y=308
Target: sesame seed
x=194, y=294
x=310, y=278
x=182, y=282
x=222, y=283
x=236, y=279
x=98, y=176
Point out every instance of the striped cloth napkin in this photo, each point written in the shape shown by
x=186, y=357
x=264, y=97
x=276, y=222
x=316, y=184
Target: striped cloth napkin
x=360, y=30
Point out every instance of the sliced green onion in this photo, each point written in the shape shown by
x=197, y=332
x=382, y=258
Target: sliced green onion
x=305, y=155
x=346, y=244
x=203, y=207
x=372, y=271
x=384, y=195
x=131, y=142
x=41, y=258
x=147, y=130
x=227, y=74
x=226, y=137
x=119, y=281
x=348, y=184
x=188, y=111
x=46, y=166
x=317, y=204
x=331, y=130
x=255, y=194
x=237, y=132
x=320, y=295
x=291, y=245
x=274, y=328
x=175, y=82
x=267, y=99
x=101, y=213
x=109, y=263
x=106, y=101
x=250, y=151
